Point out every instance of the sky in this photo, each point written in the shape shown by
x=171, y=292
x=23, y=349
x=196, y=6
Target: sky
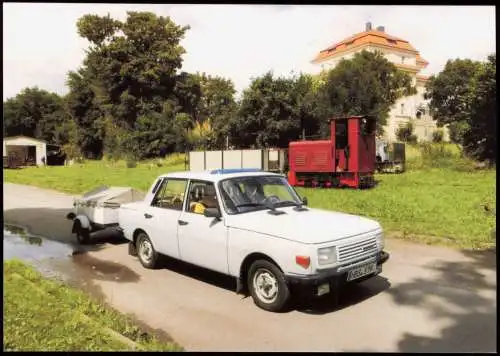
x=239, y=41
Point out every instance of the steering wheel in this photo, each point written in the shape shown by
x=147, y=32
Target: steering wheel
x=273, y=199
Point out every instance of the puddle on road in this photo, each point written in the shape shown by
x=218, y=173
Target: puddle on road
x=60, y=260
x=35, y=250
x=18, y=243
x=104, y=270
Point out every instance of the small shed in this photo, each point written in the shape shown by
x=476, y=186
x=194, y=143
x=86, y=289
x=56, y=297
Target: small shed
x=25, y=150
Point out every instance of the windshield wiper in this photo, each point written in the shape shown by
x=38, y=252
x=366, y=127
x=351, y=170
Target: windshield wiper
x=247, y=205
x=297, y=206
x=271, y=207
x=286, y=202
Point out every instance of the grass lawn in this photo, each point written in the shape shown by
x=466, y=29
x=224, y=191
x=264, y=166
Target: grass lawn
x=436, y=206
x=43, y=314
x=81, y=178
x=432, y=205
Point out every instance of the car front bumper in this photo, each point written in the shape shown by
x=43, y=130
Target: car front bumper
x=334, y=277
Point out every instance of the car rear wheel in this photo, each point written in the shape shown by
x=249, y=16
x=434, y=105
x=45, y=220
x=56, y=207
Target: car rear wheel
x=145, y=251
x=268, y=287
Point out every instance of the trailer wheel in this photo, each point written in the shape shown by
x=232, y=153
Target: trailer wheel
x=82, y=235
x=146, y=252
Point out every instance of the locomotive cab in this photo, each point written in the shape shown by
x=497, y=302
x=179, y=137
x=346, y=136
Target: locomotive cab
x=346, y=159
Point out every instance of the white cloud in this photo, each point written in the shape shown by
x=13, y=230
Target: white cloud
x=239, y=41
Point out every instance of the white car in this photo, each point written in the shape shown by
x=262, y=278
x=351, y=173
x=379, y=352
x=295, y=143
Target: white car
x=252, y=225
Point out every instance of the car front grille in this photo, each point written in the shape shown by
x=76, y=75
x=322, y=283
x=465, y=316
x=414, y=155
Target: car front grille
x=358, y=249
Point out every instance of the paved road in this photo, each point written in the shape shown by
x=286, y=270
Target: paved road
x=429, y=299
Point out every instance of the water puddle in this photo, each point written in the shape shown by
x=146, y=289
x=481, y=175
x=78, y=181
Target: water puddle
x=35, y=250
x=18, y=243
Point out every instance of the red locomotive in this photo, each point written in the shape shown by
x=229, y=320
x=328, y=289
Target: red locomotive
x=347, y=159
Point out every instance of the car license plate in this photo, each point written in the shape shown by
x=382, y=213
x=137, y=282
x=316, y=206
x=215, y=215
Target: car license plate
x=361, y=271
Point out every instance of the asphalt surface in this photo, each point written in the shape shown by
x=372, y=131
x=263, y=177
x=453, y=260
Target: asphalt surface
x=428, y=299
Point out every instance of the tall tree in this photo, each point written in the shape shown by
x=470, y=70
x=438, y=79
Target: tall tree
x=368, y=84
x=34, y=112
x=480, y=140
x=463, y=95
x=83, y=109
x=131, y=69
x=450, y=94
x=217, y=105
x=273, y=111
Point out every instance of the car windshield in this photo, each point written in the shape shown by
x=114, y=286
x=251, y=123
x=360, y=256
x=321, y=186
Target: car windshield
x=245, y=194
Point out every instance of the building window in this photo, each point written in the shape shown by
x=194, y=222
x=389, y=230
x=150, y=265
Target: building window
x=403, y=60
x=419, y=114
x=402, y=109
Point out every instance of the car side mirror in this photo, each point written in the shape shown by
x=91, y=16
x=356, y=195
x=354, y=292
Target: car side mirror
x=212, y=213
x=304, y=201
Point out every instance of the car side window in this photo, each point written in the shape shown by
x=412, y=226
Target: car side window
x=201, y=195
x=171, y=194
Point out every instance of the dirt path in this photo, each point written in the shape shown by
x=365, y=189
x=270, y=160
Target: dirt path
x=428, y=299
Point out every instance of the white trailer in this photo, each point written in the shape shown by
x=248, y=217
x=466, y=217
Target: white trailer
x=98, y=209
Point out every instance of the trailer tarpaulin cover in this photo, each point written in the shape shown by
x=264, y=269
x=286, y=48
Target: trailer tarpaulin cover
x=112, y=196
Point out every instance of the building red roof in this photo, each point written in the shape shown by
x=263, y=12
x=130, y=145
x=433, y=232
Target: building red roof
x=377, y=37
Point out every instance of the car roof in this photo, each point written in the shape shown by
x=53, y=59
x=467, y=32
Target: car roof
x=217, y=175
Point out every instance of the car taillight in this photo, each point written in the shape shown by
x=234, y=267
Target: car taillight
x=303, y=261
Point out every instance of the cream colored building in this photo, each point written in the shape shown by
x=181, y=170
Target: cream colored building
x=400, y=52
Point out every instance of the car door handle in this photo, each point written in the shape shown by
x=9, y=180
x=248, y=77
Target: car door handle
x=148, y=216
x=182, y=222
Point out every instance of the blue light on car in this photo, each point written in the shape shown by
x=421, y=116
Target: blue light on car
x=235, y=170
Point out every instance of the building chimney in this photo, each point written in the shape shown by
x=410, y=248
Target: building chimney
x=381, y=28
x=368, y=26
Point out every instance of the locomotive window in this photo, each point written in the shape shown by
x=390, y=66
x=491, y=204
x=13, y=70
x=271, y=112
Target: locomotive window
x=340, y=134
x=367, y=126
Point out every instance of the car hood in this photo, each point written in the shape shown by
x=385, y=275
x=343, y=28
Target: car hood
x=313, y=226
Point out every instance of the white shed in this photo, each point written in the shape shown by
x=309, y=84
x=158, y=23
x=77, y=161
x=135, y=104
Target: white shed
x=27, y=150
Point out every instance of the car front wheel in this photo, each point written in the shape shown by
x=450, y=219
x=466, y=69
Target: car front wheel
x=268, y=287
x=146, y=252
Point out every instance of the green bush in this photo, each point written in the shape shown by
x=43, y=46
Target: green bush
x=439, y=155
x=175, y=159
x=131, y=163
x=437, y=136
x=412, y=139
x=405, y=133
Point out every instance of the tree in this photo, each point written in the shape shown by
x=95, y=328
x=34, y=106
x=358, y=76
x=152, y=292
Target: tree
x=457, y=131
x=450, y=91
x=128, y=75
x=368, y=84
x=218, y=106
x=450, y=94
x=158, y=133
x=480, y=140
x=273, y=111
x=200, y=135
x=69, y=137
x=463, y=95
x=83, y=108
x=34, y=112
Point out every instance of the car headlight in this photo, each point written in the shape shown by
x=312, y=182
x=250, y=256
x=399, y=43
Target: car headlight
x=327, y=255
x=380, y=241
